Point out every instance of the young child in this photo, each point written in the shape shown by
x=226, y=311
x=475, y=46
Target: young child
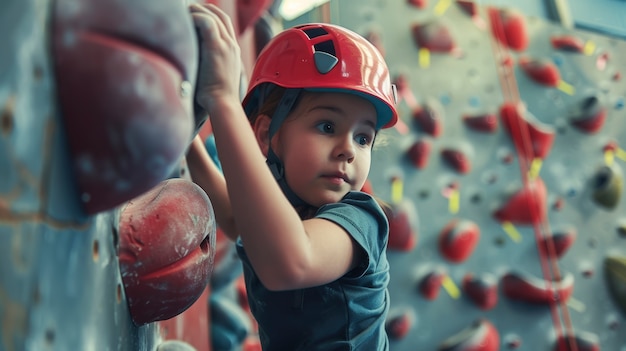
x=313, y=246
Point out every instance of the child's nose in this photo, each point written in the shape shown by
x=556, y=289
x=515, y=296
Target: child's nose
x=345, y=148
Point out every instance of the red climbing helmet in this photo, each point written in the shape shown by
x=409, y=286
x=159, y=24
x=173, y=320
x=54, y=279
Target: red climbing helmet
x=326, y=58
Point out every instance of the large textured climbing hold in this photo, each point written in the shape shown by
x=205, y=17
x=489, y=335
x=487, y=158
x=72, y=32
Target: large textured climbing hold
x=607, y=185
x=615, y=275
x=482, y=290
x=544, y=72
x=526, y=205
x=532, y=139
x=481, y=335
x=508, y=26
x=434, y=36
x=523, y=287
x=125, y=74
x=458, y=239
x=590, y=115
x=166, y=249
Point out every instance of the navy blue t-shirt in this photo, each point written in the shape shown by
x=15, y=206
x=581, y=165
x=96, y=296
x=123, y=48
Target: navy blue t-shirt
x=347, y=314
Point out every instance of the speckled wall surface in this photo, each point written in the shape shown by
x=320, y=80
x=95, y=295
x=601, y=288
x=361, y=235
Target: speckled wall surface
x=483, y=200
x=64, y=285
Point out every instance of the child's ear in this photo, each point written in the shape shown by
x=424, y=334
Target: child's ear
x=261, y=129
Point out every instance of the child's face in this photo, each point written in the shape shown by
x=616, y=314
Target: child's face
x=325, y=145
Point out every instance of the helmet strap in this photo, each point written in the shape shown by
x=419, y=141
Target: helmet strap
x=276, y=166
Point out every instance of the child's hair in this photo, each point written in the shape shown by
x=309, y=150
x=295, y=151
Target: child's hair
x=270, y=103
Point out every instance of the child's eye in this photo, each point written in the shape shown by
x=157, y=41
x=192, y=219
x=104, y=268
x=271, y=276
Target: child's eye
x=363, y=139
x=326, y=127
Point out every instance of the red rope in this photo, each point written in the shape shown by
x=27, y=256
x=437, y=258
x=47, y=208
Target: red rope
x=548, y=256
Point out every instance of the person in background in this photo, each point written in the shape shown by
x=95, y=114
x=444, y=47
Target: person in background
x=294, y=156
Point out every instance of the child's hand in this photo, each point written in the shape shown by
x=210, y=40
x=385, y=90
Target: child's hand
x=220, y=57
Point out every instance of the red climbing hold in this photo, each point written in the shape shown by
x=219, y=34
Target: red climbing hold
x=526, y=206
x=457, y=159
x=398, y=326
x=429, y=119
x=419, y=153
x=532, y=139
x=249, y=12
x=482, y=290
x=458, y=239
x=469, y=6
x=482, y=335
x=418, y=3
x=525, y=288
x=126, y=98
x=557, y=244
x=434, y=36
x=580, y=341
x=402, y=237
x=508, y=26
x=590, y=115
x=487, y=122
x=430, y=285
x=166, y=249
x=541, y=71
x=568, y=43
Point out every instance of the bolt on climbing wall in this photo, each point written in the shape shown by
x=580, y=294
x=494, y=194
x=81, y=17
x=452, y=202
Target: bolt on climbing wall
x=505, y=177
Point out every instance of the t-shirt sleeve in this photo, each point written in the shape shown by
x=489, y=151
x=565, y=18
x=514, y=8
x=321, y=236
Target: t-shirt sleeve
x=361, y=216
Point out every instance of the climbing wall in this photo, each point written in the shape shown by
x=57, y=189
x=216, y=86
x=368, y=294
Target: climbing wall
x=105, y=243
x=505, y=178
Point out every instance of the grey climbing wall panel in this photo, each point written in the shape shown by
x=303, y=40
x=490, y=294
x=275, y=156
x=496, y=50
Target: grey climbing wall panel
x=458, y=70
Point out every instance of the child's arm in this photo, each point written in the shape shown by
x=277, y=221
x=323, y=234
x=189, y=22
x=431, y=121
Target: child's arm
x=286, y=252
x=205, y=173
